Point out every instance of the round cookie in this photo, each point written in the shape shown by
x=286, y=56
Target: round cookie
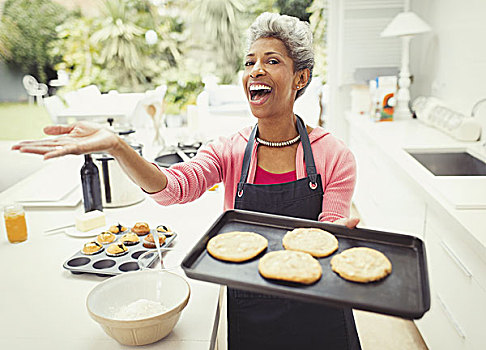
x=290, y=265
x=236, y=246
x=317, y=242
x=361, y=264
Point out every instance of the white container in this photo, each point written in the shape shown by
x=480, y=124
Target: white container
x=159, y=286
x=117, y=190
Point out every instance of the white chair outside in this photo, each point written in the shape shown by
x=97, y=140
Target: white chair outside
x=34, y=89
x=62, y=79
x=54, y=106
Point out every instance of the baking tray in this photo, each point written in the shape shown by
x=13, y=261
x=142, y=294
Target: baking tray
x=103, y=265
x=404, y=293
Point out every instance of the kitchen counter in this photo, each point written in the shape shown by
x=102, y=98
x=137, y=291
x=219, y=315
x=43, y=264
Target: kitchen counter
x=395, y=193
x=43, y=305
x=394, y=138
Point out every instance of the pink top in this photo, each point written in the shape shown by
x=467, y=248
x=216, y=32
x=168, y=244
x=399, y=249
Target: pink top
x=221, y=161
x=263, y=177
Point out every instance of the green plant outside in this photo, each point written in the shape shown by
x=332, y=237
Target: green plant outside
x=27, y=28
x=109, y=49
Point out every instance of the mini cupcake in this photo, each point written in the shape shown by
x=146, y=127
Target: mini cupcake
x=91, y=248
x=149, y=242
x=116, y=249
x=165, y=230
x=106, y=237
x=129, y=239
x=116, y=229
x=141, y=228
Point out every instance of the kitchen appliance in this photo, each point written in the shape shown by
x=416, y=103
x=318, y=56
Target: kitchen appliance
x=117, y=190
x=181, y=153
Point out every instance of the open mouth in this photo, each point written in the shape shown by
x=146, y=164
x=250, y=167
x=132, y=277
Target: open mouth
x=259, y=93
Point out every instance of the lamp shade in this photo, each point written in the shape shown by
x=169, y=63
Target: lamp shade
x=405, y=23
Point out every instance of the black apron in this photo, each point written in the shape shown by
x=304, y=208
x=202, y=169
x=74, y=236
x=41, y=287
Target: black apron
x=262, y=321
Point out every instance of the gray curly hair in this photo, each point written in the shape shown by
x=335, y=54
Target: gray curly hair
x=295, y=35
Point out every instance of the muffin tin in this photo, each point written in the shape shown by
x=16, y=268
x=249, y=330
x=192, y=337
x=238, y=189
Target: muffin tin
x=103, y=265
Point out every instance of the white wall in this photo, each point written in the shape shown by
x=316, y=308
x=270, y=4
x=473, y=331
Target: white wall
x=450, y=62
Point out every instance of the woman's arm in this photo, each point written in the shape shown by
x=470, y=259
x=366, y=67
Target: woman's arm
x=339, y=190
x=84, y=137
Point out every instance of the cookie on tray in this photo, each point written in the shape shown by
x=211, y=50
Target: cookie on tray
x=291, y=266
x=317, y=242
x=236, y=246
x=361, y=264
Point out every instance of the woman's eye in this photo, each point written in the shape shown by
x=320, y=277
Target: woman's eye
x=249, y=63
x=273, y=61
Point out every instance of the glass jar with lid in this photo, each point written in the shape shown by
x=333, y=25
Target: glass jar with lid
x=15, y=223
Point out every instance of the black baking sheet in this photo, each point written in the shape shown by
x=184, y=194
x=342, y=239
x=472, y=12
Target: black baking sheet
x=404, y=293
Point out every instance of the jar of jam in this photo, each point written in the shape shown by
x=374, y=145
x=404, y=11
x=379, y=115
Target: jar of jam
x=15, y=223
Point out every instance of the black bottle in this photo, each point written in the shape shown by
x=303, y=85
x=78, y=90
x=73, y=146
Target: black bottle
x=90, y=180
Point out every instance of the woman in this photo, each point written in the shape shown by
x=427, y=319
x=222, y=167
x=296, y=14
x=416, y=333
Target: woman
x=280, y=167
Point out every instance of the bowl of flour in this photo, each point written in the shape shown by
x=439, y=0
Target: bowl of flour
x=140, y=307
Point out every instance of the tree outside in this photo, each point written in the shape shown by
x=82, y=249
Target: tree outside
x=109, y=46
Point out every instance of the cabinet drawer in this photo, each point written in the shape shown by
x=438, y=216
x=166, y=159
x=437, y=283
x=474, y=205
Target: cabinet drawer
x=456, y=292
x=459, y=243
x=438, y=329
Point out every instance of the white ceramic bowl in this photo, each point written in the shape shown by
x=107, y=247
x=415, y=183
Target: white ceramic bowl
x=161, y=286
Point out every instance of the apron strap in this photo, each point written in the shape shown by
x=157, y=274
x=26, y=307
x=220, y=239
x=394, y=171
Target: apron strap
x=310, y=165
x=246, y=159
x=308, y=155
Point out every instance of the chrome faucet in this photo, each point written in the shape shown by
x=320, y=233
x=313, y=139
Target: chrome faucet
x=476, y=106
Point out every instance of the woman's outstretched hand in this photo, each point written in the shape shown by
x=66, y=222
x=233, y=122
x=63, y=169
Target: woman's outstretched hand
x=77, y=138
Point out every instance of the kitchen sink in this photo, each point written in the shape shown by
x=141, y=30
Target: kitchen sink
x=450, y=163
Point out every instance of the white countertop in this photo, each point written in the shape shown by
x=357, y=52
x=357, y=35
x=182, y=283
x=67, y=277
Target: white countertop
x=43, y=305
x=458, y=195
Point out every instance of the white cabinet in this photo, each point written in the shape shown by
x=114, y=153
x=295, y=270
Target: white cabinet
x=385, y=197
x=457, y=278
x=389, y=198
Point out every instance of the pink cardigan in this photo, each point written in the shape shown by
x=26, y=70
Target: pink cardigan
x=221, y=161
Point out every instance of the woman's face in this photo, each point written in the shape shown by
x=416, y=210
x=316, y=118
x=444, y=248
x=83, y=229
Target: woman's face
x=269, y=80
